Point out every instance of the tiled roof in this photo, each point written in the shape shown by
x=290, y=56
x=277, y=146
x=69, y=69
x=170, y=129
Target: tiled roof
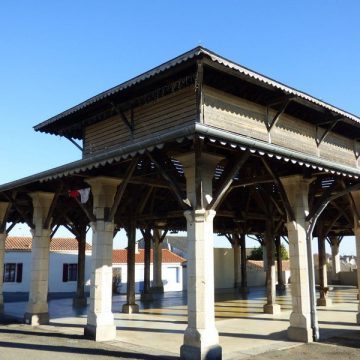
x=23, y=243
x=120, y=257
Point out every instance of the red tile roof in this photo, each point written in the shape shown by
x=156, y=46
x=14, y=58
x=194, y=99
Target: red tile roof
x=23, y=243
x=120, y=256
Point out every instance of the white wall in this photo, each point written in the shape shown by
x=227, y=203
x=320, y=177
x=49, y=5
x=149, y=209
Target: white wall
x=168, y=274
x=57, y=259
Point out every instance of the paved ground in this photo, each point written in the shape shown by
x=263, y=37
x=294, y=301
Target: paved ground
x=156, y=332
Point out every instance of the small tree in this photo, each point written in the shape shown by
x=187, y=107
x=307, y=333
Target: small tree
x=256, y=254
x=283, y=252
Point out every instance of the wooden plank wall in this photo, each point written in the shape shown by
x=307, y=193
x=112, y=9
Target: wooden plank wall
x=228, y=112
x=176, y=109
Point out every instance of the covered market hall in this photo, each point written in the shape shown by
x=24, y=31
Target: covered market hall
x=203, y=145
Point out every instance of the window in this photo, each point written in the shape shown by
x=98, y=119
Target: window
x=70, y=272
x=13, y=272
x=173, y=274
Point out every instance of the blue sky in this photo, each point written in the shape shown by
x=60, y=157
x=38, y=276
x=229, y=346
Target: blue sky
x=54, y=55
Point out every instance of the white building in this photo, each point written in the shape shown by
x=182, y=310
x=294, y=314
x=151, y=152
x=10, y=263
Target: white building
x=62, y=264
x=172, y=273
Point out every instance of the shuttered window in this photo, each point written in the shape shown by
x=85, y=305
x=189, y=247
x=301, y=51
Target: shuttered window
x=70, y=272
x=13, y=272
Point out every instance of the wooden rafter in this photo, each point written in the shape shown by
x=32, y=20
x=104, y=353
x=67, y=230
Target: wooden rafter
x=121, y=188
x=227, y=178
x=282, y=193
x=169, y=178
x=86, y=211
x=4, y=220
x=22, y=213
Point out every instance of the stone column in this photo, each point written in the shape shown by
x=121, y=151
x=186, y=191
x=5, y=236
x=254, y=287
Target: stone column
x=131, y=307
x=79, y=299
x=280, y=285
x=100, y=321
x=356, y=230
x=323, y=300
x=244, y=287
x=335, y=259
x=297, y=190
x=270, y=307
x=201, y=340
x=3, y=235
x=158, y=286
x=237, y=269
x=357, y=240
x=146, y=293
x=37, y=307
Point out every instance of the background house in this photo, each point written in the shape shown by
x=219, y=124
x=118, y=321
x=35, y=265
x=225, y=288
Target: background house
x=62, y=265
x=172, y=271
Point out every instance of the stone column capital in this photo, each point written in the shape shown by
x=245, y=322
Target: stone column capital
x=99, y=183
x=41, y=198
x=200, y=215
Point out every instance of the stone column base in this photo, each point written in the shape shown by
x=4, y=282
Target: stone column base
x=244, y=289
x=281, y=287
x=323, y=302
x=272, y=309
x=79, y=302
x=188, y=352
x=358, y=318
x=146, y=296
x=130, y=308
x=100, y=332
x=157, y=289
x=36, y=319
x=300, y=334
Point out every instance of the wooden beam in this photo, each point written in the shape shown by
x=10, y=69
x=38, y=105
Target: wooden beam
x=272, y=122
x=10, y=227
x=121, y=188
x=252, y=181
x=169, y=178
x=130, y=125
x=86, y=211
x=144, y=201
x=4, y=220
x=227, y=177
x=54, y=231
x=320, y=138
x=74, y=143
x=282, y=193
x=21, y=212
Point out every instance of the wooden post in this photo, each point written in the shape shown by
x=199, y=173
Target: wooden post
x=243, y=287
x=79, y=299
x=280, y=285
x=146, y=294
x=130, y=306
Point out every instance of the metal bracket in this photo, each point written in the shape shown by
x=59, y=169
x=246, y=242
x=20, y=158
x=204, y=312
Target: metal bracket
x=319, y=138
x=271, y=122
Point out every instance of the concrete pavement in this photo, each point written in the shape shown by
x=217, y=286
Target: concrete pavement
x=157, y=331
